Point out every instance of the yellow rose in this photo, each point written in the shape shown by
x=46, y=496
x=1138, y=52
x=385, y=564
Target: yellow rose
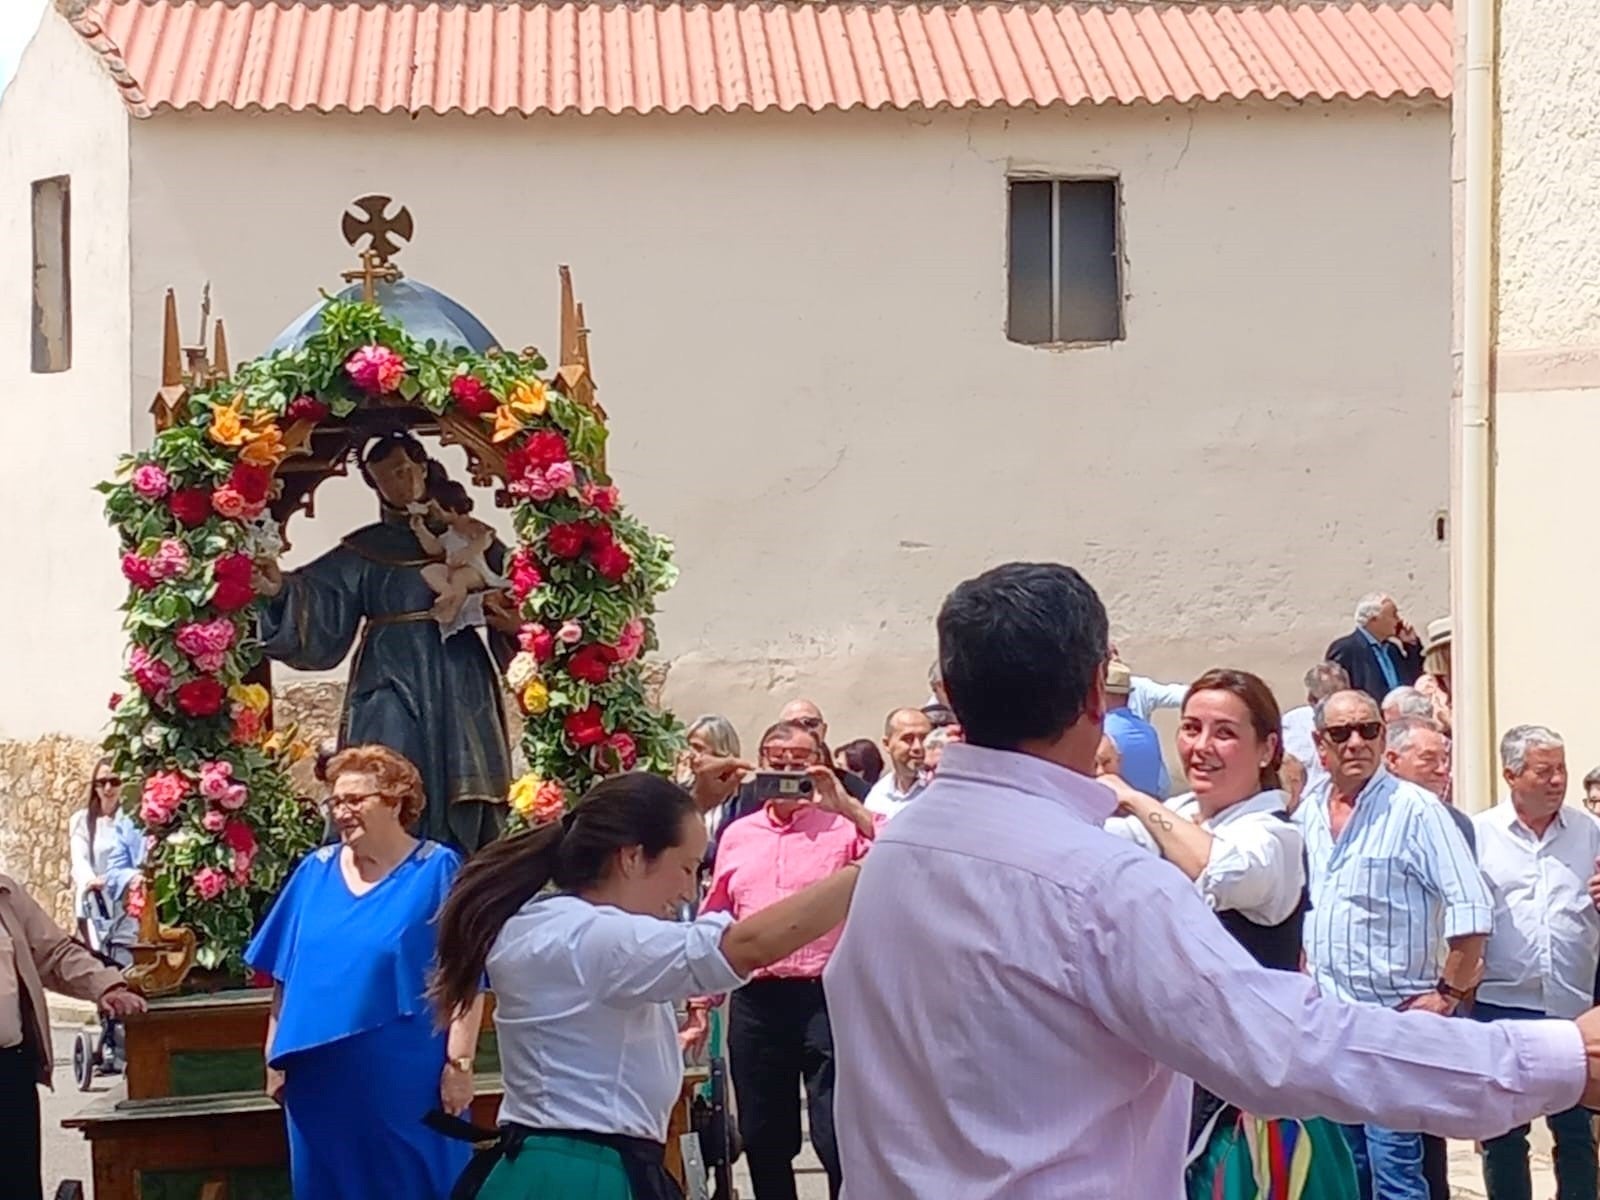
x=525, y=794
x=251, y=695
x=528, y=399
x=506, y=425
x=264, y=446
x=227, y=422
x=535, y=698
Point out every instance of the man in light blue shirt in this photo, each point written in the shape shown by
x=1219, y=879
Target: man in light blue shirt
x=1135, y=738
x=1391, y=880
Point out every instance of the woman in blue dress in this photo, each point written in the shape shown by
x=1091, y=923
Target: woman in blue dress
x=353, y=1053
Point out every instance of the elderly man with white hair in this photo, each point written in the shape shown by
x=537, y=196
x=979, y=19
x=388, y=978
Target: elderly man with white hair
x=1540, y=860
x=1406, y=702
x=1383, y=652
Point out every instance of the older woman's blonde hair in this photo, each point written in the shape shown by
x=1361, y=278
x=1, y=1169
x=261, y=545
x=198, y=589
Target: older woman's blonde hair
x=396, y=777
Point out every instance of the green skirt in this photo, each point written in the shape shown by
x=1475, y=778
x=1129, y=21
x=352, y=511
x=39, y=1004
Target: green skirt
x=551, y=1167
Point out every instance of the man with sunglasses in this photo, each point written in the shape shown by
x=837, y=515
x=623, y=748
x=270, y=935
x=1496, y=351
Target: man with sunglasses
x=809, y=717
x=1392, y=882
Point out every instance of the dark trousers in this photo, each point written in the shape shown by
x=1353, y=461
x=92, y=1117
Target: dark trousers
x=779, y=1038
x=20, y=1166
x=1436, y=1167
x=1505, y=1158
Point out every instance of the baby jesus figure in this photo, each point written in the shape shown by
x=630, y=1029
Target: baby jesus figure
x=462, y=545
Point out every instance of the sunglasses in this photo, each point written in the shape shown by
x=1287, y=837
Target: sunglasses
x=811, y=723
x=1370, y=731
x=108, y=781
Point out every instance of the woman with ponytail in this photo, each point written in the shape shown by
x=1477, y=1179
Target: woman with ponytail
x=573, y=924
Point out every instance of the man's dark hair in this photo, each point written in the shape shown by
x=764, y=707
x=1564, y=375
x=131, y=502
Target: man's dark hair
x=1020, y=648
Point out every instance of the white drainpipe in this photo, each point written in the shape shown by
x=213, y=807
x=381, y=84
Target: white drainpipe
x=1472, y=668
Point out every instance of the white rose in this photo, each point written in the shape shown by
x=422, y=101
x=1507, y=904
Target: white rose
x=524, y=669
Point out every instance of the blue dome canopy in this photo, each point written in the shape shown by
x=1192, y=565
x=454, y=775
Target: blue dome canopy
x=426, y=314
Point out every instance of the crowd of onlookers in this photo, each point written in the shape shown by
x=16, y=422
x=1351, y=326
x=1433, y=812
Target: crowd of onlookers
x=1325, y=837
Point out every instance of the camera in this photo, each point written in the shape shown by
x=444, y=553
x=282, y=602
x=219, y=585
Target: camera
x=782, y=785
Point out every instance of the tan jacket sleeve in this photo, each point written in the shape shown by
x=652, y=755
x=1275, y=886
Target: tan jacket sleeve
x=64, y=966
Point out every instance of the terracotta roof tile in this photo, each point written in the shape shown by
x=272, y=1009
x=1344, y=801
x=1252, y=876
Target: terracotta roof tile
x=530, y=56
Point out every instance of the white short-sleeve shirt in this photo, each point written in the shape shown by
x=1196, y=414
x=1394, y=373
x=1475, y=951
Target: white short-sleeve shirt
x=584, y=999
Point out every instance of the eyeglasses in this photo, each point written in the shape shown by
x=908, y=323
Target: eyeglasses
x=1370, y=731
x=108, y=781
x=334, y=803
x=811, y=723
x=794, y=756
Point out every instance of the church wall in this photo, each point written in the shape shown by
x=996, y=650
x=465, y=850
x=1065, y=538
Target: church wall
x=799, y=332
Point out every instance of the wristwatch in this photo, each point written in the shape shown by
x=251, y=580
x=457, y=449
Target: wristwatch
x=1450, y=993
x=462, y=1064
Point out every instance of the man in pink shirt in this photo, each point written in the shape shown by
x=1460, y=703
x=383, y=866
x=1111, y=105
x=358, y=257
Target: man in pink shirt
x=778, y=1030
x=1019, y=994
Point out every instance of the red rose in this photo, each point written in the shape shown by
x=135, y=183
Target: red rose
x=584, y=729
x=604, y=499
x=191, y=506
x=239, y=837
x=537, y=641
x=116, y=701
x=231, y=596
x=567, y=541
x=591, y=664
x=254, y=484
x=201, y=698
x=306, y=408
x=231, y=568
x=545, y=447
x=613, y=562
x=471, y=395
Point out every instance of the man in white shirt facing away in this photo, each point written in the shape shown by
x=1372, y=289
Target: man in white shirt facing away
x=904, y=733
x=1540, y=858
x=1321, y=681
x=1018, y=995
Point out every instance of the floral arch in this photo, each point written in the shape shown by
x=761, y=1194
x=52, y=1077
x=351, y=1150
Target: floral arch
x=236, y=453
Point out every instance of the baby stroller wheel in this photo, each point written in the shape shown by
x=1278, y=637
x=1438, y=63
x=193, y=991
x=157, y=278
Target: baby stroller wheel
x=83, y=1056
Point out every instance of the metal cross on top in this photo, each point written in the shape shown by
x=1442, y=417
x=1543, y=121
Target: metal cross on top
x=381, y=230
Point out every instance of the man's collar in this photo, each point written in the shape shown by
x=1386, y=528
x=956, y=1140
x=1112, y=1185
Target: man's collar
x=1030, y=774
x=1367, y=634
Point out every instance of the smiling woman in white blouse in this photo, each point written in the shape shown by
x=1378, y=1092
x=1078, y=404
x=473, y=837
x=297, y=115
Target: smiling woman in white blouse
x=1230, y=832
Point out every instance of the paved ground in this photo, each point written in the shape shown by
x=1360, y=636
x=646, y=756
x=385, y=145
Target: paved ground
x=66, y=1154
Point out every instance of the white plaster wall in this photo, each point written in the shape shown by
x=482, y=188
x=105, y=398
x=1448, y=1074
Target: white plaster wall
x=1546, y=574
x=799, y=333
x=60, y=434
x=1549, y=202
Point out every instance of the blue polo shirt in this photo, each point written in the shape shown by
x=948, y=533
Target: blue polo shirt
x=1140, y=746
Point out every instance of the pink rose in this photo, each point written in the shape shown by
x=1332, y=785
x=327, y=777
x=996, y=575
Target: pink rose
x=549, y=803
x=375, y=369
x=537, y=641
x=151, y=674
x=151, y=482
x=626, y=750
x=570, y=632
x=561, y=475
x=241, y=867
x=211, y=661
x=631, y=640
x=140, y=572
x=536, y=485
x=161, y=796
x=210, y=883
x=214, y=820
x=234, y=796
x=207, y=641
x=228, y=503
x=215, y=779
x=172, y=558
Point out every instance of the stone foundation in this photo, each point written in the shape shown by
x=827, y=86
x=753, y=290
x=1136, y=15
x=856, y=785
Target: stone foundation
x=42, y=782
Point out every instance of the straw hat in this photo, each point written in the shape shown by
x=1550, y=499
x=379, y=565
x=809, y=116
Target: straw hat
x=1119, y=680
x=1438, y=635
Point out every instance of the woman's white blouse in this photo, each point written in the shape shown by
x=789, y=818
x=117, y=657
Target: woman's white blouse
x=1257, y=866
x=584, y=1009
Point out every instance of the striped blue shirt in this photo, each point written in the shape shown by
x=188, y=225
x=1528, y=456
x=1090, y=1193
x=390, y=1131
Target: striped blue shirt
x=1387, y=893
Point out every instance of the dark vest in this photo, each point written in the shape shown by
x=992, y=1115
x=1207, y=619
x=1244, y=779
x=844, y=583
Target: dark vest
x=1275, y=946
